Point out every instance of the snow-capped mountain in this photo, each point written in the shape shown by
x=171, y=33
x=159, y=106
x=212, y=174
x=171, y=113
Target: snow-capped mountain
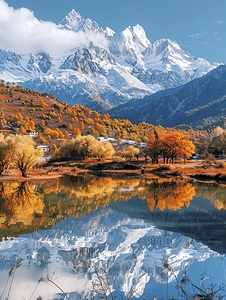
x=112, y=68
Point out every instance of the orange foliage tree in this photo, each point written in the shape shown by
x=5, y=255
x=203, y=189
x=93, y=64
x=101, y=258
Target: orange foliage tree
x=169, y=144
x=42, y=103
x=94, y=132
x=22, y=130
x=176, y=144
x=66, y=135
x=76, y=131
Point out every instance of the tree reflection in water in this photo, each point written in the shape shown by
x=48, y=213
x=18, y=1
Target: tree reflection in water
x=172, y=195
x=19, y=203
x=31, y=206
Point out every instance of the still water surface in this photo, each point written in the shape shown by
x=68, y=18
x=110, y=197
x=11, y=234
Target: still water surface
x=69, y=228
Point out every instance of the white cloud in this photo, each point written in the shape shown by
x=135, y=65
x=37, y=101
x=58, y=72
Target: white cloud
x=22, y=32
x=218, y=22
x=195, y=35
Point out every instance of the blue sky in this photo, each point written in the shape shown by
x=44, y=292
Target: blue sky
x=199, y=26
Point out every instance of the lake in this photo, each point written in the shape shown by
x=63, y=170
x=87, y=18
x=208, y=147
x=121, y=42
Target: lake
x=77, y=235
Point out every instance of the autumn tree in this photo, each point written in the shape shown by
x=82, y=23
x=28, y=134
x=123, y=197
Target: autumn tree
x=75, y=120
x=83, y=147
x=82, y=125
x=6, y=151
x=48, y=131
x=53, y=147
x=153, y=145
x=94, y=132
x=25, y=156
x=101, y=150
x=42, y=103
x=100, y=128
x=22, y=130
x=60, y=133
x=176, y=144
x=76, y=131
x=55, y=134
x=43, y=140
x=66, y=135
x=129, y=152
x=169, y=144
x=3, y=122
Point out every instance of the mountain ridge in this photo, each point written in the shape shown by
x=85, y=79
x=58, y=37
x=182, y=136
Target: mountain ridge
x=197, y=100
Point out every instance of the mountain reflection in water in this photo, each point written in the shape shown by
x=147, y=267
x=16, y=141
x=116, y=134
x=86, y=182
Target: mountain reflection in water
x=126, y=226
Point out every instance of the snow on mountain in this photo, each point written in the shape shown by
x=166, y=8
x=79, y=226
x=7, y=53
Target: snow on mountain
x=131, y=251
x=74, y=21
x=129, y=66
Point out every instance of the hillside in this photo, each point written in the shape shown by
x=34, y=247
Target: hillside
x=200, y=102
x=23, y=110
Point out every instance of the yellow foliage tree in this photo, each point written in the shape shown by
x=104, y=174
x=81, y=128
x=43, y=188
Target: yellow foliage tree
x=75, y=120
x=53, y=147
x=100, y=128
x=25, y=155
x=43, y=140
x=66, y=135
x=42, y=103
x=60, y=133
x=129, y=152
x=82, y=125
x=83, y=147
x=6, y=151
x=48, y=131
x=55, y=134
x=94, y=132
x=76, y=131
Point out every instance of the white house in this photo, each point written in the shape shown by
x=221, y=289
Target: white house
x=32, y=133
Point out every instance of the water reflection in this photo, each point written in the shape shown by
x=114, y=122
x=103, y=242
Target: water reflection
x=30, y=206
x=126, y=226
x=19, y=203
x=169, y=195
x=131, y=250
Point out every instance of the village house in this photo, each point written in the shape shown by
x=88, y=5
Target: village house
x=32, y=133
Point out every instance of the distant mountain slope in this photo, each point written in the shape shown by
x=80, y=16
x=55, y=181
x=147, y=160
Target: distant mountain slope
x=202, y=100
x=111, y=69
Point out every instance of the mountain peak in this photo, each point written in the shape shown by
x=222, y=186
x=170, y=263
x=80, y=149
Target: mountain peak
x=74, y=21
x=133, y=37
x=71, y=17
x=73, y=14
x=140, y=35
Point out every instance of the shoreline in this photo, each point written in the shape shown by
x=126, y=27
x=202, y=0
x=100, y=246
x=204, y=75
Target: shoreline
x=193, y=170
